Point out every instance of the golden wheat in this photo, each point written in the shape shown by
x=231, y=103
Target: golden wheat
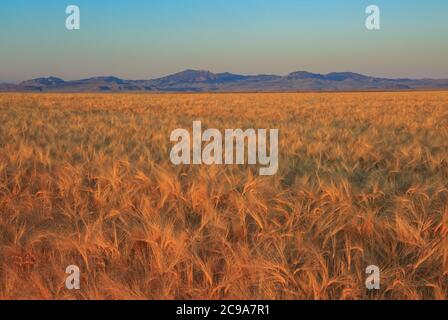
x=85, y=179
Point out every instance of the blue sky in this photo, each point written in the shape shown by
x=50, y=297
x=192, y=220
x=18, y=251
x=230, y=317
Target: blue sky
x=141, y=39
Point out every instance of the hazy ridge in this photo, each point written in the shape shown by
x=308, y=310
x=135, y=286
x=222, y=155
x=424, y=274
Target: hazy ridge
x=206, y=81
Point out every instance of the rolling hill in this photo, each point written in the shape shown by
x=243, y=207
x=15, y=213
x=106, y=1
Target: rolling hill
x=206, y=81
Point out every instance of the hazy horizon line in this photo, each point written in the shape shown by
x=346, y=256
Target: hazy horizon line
x=214, y=72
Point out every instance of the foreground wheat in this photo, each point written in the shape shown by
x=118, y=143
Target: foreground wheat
x=86, y=180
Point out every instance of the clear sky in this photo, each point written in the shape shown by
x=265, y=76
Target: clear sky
x=142, y=39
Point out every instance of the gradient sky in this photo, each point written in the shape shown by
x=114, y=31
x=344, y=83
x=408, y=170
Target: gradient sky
x=142, y=39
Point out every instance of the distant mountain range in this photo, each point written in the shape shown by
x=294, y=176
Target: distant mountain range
x=206, y=81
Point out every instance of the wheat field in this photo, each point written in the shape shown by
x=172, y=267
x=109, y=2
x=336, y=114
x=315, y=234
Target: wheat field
x=86, y=180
